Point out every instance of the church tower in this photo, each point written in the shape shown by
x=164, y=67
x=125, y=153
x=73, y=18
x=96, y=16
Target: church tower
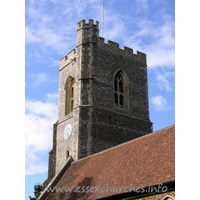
x=103, y=98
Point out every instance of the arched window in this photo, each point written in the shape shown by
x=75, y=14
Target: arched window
x=69, y=95
x=121, y=90
x=67, y=154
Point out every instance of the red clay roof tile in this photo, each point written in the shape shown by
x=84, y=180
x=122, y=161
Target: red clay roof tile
x=143, y=162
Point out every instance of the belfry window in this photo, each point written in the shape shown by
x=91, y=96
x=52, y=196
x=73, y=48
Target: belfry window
x=69, y=95
x=121, y=91
x=118, y=82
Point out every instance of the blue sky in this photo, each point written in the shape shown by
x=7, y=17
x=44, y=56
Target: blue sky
x=50, y=33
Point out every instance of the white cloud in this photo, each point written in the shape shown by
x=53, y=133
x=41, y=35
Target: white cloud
x=114, y=30
x=160, y=103
x=158, y=56
x=52, y=97
x=34, y=165
x=161, y=52
x=142, y=5
x=40, y=117
x=29, y=36
x=160, y=2
x=48, y=37
x=160, y=49
x=38, y=79
x=163, y=82
x=114, y=26
x=55, y=28
x=54, y=63
x=39, y=108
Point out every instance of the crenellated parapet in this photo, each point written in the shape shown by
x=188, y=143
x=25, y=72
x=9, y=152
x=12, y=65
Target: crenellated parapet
x=87, y=32
x=83, y=24
x=126, y=52
x=71, y=56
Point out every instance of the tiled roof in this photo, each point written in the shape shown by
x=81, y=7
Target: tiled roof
x=143, y=162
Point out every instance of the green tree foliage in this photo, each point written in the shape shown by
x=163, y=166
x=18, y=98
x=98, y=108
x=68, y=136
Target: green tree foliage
x=37, y=191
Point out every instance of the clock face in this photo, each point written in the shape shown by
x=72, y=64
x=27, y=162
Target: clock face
x=67, y=131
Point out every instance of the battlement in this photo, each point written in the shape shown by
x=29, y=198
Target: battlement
x=82, y=24
x=126, y=52
x=67, y=59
